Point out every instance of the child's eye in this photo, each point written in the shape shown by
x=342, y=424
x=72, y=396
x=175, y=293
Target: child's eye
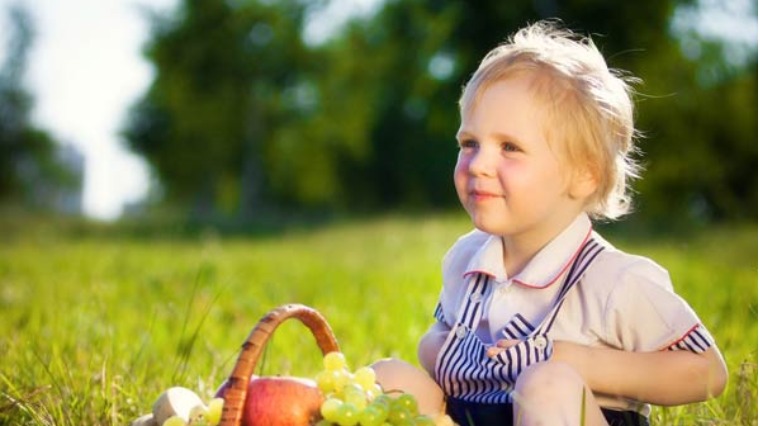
x=510, y=147
x=468, y=143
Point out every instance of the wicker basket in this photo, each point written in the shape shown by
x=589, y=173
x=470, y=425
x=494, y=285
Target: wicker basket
x=234, y=398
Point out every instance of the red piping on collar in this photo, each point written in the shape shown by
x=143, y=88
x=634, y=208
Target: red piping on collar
x=556, y=277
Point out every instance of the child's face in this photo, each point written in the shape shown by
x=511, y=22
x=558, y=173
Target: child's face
x=507, y=176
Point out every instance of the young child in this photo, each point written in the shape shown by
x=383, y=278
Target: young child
x=540, y=320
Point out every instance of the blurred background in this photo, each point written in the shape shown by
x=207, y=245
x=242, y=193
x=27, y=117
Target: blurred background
x=234, y=111
x=170, y=170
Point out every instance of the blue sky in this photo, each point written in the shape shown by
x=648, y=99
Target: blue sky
x=86, y=69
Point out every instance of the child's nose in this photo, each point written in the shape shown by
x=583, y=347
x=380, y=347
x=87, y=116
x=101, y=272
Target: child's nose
x=481, y=164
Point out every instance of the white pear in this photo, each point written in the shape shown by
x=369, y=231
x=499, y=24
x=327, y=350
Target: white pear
x=146, y=420
x=176, y=401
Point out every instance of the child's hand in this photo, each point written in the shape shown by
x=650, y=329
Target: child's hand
x=500, y=346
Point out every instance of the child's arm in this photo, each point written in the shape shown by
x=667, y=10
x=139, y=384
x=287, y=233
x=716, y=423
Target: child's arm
x=662, y=378
x=430, y=344
x=644, y=317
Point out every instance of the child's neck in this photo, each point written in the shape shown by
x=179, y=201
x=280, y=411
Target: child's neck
x=519, y=249
x=516, y=256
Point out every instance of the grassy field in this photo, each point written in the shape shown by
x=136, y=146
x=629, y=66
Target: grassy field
x=94, y=325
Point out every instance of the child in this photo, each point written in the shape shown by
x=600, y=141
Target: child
x=540, y=320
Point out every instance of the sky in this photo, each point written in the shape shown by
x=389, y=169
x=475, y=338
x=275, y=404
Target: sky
x=86, y=69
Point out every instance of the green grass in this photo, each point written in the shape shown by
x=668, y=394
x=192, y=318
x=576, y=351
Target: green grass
x=95, y=325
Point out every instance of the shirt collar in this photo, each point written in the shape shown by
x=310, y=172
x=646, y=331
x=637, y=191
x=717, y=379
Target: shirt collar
x=545, y=268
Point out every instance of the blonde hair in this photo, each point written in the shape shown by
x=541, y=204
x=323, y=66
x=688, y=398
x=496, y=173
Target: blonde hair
x=591, y=106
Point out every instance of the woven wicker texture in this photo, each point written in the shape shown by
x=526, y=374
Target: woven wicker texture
x=234, y=398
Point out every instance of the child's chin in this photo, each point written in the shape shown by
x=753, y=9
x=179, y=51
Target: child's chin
x=488, y=226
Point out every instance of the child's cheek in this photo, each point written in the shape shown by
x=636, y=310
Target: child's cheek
x=461, y=177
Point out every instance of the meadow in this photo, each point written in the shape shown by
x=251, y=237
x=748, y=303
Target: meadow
x=94, y=325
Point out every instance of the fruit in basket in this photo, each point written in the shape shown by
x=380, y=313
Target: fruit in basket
x=171, y=409
x=214, y=413
x=176, y=401
x=144, y=420
x=174, y=421
x=281, y=401
x=394, y=374
x=358, y=399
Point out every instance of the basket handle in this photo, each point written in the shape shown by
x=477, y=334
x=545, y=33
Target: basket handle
x=237, y=390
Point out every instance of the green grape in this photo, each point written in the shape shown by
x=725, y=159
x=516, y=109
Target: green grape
x=374, y=391
x=383, y=399
x=399, y=414
x=423, y=421
x=214, y=412
x=352, y=392
x=342, y=378
x=330, y=408
x=351, y=386
x=357, y=400
x=385, y=409
x=323, y=422
x=197, y=416
x=174, y=421
x=373, y=415
x=326, y=381
x=365, y=377
x=407, y=401
x=347, y=415
x=334, y=361
x=199, y=421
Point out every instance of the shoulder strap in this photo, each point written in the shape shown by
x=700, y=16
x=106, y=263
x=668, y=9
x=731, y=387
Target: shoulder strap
x=585, y=258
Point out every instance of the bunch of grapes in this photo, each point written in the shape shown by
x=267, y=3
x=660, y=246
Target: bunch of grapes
x=356, y=399
x=200, y=415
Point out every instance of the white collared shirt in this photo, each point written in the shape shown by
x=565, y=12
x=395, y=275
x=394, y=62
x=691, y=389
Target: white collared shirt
x=623, y=301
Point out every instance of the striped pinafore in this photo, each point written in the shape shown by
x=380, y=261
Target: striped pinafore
x=465, y=372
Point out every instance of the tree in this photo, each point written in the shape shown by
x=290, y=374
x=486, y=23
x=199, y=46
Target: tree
x=415, y=55
x=224, y=71
x=242, y=112
x=700, y=139
x=29, y=170
x=683, y=118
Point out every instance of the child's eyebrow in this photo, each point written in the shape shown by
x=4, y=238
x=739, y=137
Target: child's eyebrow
x=505, y=137
x=463, y=134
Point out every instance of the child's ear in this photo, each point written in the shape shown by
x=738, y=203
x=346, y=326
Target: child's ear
x=584, y=183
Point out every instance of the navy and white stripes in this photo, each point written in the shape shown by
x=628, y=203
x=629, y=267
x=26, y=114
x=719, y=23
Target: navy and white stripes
x=464, y=370
x=438, y=314
x=517, y=328
x=697, y=340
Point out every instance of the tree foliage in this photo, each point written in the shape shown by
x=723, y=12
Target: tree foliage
x=244, y=113
x=29, y=170
x=227, y=79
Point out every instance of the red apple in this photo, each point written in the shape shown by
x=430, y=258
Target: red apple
x=280, y=401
